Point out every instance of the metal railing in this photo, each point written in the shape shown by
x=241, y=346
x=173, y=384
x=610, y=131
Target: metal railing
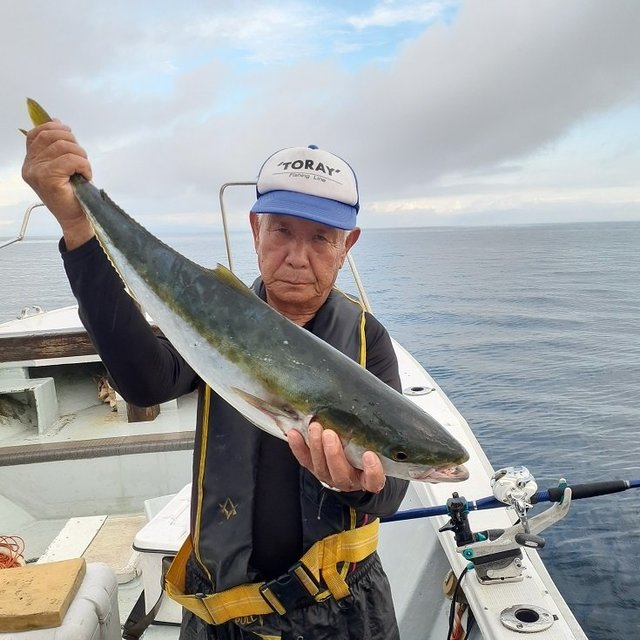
x=227, y=241
x=23, y=228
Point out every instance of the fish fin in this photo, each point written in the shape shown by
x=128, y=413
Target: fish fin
x=37, y=114
x=231, y=279
x=277, y=412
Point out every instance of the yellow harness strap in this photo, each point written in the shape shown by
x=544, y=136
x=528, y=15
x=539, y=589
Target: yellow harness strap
x=252, y=599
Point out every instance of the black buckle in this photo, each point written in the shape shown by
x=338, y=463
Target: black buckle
x=292, y=590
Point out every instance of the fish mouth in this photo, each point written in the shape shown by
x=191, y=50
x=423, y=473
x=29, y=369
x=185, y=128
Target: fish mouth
x=455, y=473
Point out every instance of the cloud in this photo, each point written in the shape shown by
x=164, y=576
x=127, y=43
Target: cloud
x=172, y=102
x=391, y=13
x=508, y=200
x=267, y=32
x=503, y=81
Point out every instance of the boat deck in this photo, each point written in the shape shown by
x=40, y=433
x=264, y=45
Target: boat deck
x=79, y=421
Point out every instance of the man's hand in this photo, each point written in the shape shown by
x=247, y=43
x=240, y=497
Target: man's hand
x=53, y=156
x=325, y=458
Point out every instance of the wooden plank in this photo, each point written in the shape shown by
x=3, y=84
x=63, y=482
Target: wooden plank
x=37, y=596
x=142, y=414
x=17, y=347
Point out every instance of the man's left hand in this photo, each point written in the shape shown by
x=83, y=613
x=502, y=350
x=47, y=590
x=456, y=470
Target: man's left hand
x=324, y=457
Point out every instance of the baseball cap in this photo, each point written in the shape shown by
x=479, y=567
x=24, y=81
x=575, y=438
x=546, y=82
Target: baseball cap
x=310, y=183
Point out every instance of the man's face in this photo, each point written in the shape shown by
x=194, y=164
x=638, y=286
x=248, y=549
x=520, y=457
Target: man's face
x=299, y=260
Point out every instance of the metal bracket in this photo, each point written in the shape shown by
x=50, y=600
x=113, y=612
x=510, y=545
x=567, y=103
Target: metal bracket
x=497, y=556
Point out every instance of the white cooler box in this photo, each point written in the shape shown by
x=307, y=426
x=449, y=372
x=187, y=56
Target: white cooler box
x=158, y=539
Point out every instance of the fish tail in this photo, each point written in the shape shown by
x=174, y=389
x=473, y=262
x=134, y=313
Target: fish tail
x=37, y=114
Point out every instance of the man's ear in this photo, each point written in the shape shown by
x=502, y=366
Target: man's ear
x=255, y=227
x=352, y=238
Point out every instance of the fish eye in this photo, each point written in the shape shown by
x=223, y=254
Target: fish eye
x=399, y=455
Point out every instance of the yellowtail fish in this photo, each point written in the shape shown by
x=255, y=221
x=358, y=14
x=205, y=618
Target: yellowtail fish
x=278, y=375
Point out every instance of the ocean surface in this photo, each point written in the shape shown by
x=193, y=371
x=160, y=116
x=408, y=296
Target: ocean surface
x=532, y=331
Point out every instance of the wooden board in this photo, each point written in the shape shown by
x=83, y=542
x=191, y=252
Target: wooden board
x=37, y=596
x=19, y=347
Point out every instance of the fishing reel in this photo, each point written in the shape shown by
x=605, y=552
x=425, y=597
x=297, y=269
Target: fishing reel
x=515, y=486
x=496, y=554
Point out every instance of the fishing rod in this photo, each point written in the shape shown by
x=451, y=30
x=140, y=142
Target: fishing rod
x=496, y=554
x=554, y=494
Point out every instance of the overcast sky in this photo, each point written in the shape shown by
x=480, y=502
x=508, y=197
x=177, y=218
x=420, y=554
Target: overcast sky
x=451, y=112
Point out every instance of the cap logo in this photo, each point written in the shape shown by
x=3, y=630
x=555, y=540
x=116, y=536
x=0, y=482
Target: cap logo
x=308, y=165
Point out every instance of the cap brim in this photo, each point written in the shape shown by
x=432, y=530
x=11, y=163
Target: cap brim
x=302, y=205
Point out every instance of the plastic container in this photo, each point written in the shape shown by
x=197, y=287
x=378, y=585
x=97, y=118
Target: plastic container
x=158, y=539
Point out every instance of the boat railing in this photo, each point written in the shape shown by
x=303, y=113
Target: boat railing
x=23, y=228
x=227, y=241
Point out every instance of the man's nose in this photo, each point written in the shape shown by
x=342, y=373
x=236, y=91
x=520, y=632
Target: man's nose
x=298, y=254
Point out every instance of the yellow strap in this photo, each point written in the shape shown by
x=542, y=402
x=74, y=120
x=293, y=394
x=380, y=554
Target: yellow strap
x=246, y=600
x=362, y=361
x=353, y=545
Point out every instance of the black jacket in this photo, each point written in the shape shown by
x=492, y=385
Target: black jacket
x=279, y=509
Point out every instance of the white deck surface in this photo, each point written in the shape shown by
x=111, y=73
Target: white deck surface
x=98, y=421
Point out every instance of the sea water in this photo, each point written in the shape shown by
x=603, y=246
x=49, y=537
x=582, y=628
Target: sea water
x=534, y=334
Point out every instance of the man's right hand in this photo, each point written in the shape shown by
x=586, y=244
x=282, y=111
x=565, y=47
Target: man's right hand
x=53, y=156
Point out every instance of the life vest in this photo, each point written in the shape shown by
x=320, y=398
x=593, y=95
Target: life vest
x=225, y=455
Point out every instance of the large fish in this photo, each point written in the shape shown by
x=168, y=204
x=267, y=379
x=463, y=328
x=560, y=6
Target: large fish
x=278, y=375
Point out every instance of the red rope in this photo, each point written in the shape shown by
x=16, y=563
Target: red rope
x=11, y=549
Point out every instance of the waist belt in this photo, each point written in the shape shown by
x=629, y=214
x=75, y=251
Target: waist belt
x=314, y=578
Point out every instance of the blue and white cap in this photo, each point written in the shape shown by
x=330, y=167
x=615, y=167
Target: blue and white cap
x=310, y=183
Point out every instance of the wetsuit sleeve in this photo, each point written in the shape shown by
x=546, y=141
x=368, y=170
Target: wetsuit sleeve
x=145, y=368
x=382, y=362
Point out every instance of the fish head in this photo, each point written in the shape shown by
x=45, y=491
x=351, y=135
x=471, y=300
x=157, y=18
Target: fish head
x=422, y=468
x=424, y=450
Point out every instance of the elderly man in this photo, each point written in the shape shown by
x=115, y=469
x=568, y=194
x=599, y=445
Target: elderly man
x=263, y=511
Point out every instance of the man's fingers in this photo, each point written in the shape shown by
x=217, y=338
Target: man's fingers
x=325, y=458
x=53, y=153
x=341, y=472
x=299, y=448
x=43, y=135
x=373, y=478
x=316, y=447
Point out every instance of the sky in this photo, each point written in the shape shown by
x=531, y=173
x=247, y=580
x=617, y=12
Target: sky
x=452, y=112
